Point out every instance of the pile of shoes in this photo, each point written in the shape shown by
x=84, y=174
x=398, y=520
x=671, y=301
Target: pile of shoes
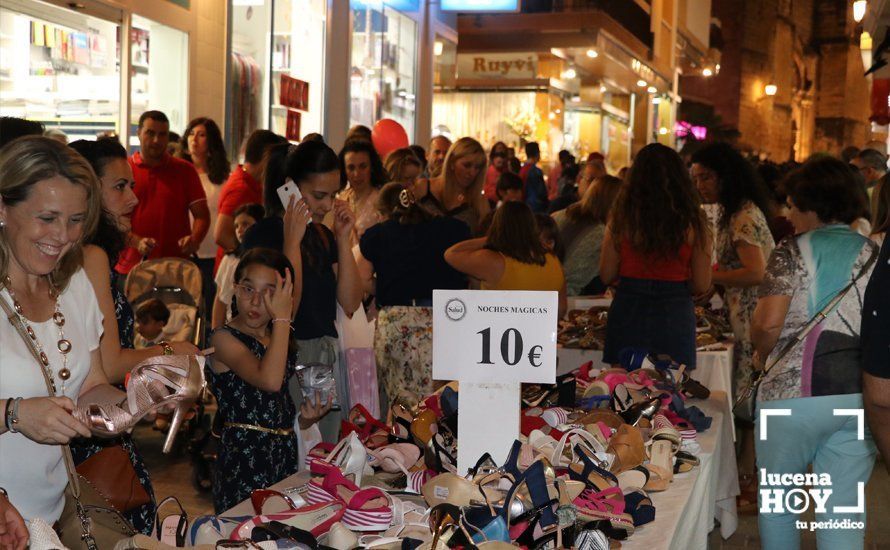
x=579, y=476
x=711, y=327
x=584, y=329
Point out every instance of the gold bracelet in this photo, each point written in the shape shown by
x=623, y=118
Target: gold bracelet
x=168, y=349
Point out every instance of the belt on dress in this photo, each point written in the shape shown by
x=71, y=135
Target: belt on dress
x=275, y=431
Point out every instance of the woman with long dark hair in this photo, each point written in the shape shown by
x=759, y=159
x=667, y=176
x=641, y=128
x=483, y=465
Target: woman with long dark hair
x=361, y=177
x=108, y=159
x=657, y=250
x=743, y=247
x=322, y=259
x=744, y=241
x=511, y=256
x=202, y=145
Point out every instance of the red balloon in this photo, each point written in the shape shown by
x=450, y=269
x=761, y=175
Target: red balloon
x=387, y=136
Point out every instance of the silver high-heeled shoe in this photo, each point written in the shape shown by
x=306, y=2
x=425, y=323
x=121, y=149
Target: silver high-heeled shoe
x=154, y=383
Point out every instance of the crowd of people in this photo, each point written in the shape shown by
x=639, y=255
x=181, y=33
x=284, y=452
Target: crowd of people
x=379, y=235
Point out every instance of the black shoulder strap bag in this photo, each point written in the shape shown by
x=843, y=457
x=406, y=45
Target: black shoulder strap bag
x=745, y=405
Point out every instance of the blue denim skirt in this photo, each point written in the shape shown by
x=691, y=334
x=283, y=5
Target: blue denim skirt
x=657, y=316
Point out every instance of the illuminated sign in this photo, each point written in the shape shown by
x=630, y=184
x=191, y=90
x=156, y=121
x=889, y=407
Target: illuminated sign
x=480, y=5
x=684, y=129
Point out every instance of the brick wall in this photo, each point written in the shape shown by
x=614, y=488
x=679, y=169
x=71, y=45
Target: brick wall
x=805, y=48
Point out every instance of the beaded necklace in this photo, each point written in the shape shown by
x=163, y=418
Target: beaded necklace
x=63, y=344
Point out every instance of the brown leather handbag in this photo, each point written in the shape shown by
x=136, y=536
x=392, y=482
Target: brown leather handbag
x=111, y=474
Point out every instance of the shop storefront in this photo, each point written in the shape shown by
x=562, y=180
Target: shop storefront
x=276, y=72
x=60, y=68
x=510, y=97
x=383, y=57
x=91, y=68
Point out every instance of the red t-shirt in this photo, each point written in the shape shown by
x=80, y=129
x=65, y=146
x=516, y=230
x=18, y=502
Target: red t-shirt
x=165, y=193
x=240, y=189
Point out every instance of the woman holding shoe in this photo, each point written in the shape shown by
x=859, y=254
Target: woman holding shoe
x=49, y=200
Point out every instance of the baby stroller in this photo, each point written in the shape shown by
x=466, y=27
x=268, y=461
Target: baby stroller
x=177, y=282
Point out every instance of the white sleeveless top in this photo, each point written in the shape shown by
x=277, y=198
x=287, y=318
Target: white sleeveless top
x=33, y=474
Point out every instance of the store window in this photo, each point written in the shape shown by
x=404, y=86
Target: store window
x=384, y=62
x=445, y=67
x=159, y=73
x=59, y=67
x=278, y=83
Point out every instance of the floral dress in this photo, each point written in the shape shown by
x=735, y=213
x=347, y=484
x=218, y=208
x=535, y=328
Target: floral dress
x=749, y=226
x=251, y=459
x=141, y=518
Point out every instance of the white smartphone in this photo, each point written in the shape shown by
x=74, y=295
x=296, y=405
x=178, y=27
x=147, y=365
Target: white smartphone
x=288, y=190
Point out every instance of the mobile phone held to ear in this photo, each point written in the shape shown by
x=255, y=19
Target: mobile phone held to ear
x=288, y=190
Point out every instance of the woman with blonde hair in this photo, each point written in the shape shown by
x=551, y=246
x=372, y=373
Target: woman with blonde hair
x=50, y=200
x=403, y=166
x=582, y=226
x=457, y=192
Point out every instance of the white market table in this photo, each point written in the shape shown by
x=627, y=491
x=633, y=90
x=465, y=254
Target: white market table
x=686, y=512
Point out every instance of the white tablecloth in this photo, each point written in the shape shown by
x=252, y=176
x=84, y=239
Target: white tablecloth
x=685, y=513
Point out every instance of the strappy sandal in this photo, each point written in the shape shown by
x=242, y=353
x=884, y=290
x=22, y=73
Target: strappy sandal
x=607, y=504
x=372, y=432
x=622, y=400
x=366, y=509
x=351, y=457
x=638, y=504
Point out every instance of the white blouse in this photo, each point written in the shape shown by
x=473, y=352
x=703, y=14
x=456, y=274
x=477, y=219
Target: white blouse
x=208, y=245
x=33, y=474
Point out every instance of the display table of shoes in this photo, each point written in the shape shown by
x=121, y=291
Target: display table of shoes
x=341, y=503
x=686, y=513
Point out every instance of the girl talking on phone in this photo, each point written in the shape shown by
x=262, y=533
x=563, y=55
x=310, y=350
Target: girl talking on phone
x=255, y=356
x=323, y=258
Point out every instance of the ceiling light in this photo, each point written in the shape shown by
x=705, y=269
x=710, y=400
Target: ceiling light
x=642, y=83
x=859, y=7
x=662, y=131
x=438, y=47
x=576, y=99
x=717, y=67
x=603, y=89
x=569, y=74
x=651, y=89
x=592, y=54
x=656, y=100
x=552, y=116
x=770, y=89
x=706, y=72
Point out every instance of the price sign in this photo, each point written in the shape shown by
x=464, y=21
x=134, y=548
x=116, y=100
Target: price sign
x=494, y=336
x=491, y=342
